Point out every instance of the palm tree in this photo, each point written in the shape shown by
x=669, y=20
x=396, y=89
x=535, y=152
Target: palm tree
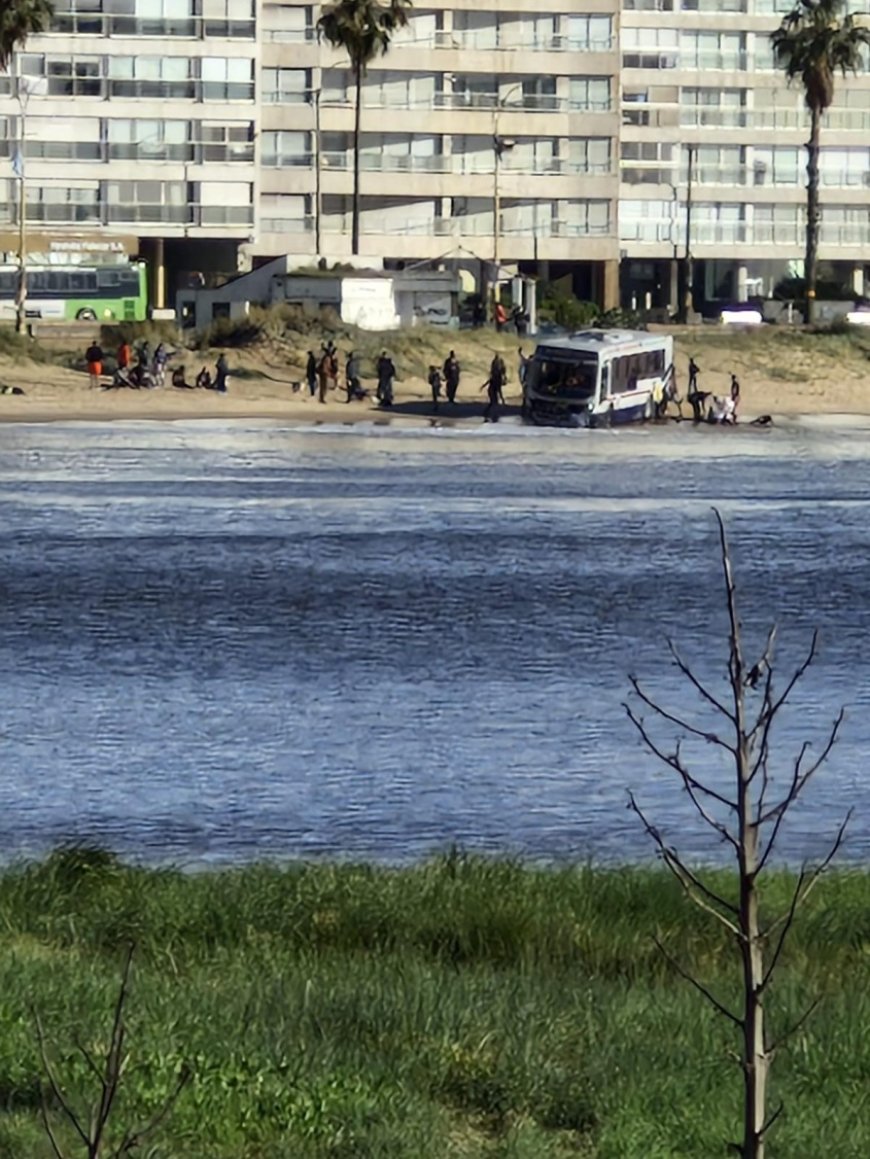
x=18, y=20
x=363, y=28
x=817, y=39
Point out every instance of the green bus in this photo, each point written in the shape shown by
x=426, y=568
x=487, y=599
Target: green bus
x=110, y=293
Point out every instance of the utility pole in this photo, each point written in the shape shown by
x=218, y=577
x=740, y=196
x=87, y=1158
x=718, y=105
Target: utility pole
x=688, y=262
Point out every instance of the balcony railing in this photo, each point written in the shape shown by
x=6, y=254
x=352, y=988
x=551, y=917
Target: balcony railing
x=482, y=227
x=184, y=27
x=287, y=224
x=758, y=176
x=508, y=40
x=742, y=233
x=63, y=212
x=711, y=117
x=461, y=164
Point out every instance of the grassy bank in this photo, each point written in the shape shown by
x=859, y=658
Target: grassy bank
x=461, y=1008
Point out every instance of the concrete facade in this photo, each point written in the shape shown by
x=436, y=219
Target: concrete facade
x=218, y=133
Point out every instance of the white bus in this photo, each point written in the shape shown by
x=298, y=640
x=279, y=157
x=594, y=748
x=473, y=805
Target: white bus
x=598, y=377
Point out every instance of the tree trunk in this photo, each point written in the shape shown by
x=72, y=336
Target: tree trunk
x=356, y=134
x=755, y=1060
x=814, y=214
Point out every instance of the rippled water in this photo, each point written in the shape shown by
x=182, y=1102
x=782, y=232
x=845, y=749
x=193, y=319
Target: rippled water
x=222, y=643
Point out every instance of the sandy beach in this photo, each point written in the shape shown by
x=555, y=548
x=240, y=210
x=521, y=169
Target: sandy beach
x=782, y=374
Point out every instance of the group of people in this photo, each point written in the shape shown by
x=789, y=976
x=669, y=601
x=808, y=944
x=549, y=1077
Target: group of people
x=719, y=409
x=142, y=369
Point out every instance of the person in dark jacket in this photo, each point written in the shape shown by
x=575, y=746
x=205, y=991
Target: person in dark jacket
x=222, y=371
x=494, y=387
x=386, y=373
x=452, y=372
x=435, y=386
x=311, y=373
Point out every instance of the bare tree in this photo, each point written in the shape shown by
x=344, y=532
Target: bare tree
x=109, y=1072
x=748, y=818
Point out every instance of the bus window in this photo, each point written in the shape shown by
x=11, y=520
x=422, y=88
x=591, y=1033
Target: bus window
x=605, y=380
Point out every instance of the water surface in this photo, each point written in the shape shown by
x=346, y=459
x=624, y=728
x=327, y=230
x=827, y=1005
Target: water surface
x=228, y=642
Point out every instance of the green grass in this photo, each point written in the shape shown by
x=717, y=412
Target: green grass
x=457, y=1008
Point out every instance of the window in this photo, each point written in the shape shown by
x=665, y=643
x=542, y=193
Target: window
x=131, y=140
x=79, y=17
x=650, y=162
x=219, y=142
x=284, y=213
x=776, y=166
x=150, y=76
x=227, y=78
x=228, y=18
x=584, y=217
x=285, y=148
x=403, y=90
x=649, y=47
x=589, y=154
x=589, y=33
x=713, y=50
x=630, y=369
x=285, y=86
x=224, y=203
x=723, y=108
x=157, y=202
x=288, y=22
x=591, y=93
x=716, y=165
x=539, y=92
x=64, y=203
x=64, y=138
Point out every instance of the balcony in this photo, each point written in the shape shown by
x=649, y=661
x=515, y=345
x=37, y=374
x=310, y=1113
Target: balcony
x=705, y=233
x=156, y=28
x=460, y=164
x=504, y=40
x=644, y=115
x=287, y=224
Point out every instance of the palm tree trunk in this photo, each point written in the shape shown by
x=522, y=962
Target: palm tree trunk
x=356, y=134
x=814, y=213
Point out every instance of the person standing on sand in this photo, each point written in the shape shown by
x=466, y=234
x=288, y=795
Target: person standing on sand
x=327, y=370
x=494, y=386
x=452, y=372
x=94, y=359
x=125, y=355
x=311, y=373
x=222, y=371
x=735, y=397
x=435, y=386
x=386, y=373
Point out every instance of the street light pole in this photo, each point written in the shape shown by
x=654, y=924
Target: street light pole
x=689, y=263
x=500, y=146
x=19, y=167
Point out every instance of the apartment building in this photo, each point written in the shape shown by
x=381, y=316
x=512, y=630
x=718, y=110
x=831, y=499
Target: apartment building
x=207, y=135
x=701, y=99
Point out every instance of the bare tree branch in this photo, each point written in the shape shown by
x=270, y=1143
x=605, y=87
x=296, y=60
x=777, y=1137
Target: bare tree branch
x=699, y=986
x=795, y=1027
x=705, y=693
x=134, y=1139
x=58, y=1154
x=672, y=760
x=805, y=882
x=53, y=1083
x=709, y=737
x=686, y=877
x=771, y=1119
x=801, y=776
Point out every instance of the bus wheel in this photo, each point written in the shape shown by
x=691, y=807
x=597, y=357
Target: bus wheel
x=86, y=315
x=648, y=410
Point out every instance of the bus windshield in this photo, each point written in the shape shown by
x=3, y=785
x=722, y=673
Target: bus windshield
x=565, y=379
